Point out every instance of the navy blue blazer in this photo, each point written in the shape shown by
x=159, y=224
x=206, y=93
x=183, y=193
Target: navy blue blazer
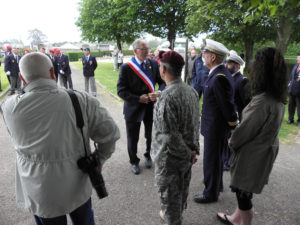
x=218, y=109
x=241, y=92
x=63, y=64
x=294, y=85
x=199, y=74
x=130, y=87
x=89, y=66
x=12, y=65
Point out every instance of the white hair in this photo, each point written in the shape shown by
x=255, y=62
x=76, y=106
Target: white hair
x=136, y=43
x=34, y=66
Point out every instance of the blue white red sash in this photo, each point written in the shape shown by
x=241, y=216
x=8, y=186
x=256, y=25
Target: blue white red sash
x=143, y=74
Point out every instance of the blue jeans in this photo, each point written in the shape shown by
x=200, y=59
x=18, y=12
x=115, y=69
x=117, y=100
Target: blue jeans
x=83, y=215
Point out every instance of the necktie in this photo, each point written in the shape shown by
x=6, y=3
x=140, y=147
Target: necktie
x=86, y=58
x=298, y=69
x=143, y=64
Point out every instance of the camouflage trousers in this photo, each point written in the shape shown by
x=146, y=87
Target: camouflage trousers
x=173, y=190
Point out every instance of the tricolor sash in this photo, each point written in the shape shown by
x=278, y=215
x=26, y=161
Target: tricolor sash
x=143, y=74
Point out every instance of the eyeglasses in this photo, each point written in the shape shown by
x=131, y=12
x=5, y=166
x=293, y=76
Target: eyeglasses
x=143, y=49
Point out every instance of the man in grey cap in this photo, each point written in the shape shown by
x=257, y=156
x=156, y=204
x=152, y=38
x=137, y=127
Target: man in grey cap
x=218, y=117
x=175, y=138
x=89, y=64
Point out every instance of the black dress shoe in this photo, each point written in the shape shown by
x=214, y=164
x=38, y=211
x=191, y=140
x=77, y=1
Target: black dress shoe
x=203, y=199
x=289, y=122
x=135, y=169
x=148, y=163
x=11, y=93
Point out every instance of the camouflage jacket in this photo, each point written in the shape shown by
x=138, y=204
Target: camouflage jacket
x=175, y=127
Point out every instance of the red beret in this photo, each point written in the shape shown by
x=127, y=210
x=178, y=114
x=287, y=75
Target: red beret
x=173, y=58
x=8, y=47
x=51, y=50
x=56, y=50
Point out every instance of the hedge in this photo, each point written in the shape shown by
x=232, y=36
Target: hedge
x=74, y=56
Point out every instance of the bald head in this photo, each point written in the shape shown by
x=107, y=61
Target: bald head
x=34, y=66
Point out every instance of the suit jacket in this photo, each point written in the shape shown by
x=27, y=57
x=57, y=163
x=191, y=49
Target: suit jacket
x=294, y=84
x=218, y=110
x=54, y=61
x=12, y=65
x=89, y=66
x=199, y=74
x=130, y=87
x=255, y=143
x=241, y=92
x=63, y=64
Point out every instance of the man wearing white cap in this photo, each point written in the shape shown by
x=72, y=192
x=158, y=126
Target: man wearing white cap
x=241, y=95
x=218, y=117
x=241, y=91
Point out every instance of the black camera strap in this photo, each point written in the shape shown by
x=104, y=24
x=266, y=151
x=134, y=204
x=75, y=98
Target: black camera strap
x=78, y=113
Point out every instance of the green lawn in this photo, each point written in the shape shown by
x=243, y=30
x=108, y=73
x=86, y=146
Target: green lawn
x=4, y=81
x=287, y=132
x=108, y=78
x=105, y=75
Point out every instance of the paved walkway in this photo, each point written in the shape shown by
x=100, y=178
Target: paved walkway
x=133, y=200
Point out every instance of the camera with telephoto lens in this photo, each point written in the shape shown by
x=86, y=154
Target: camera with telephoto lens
x=91, y=165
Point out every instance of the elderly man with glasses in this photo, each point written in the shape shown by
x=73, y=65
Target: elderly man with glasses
x=136, y=86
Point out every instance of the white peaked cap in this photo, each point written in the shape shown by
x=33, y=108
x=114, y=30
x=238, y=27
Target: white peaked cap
x=233, y=56
x=215, y=47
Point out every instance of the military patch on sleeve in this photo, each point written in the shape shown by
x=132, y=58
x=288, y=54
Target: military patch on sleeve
x=221, y=74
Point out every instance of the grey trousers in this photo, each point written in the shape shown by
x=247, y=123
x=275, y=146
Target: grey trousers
x=90, y=81
x=15, y=84
x=64, y=80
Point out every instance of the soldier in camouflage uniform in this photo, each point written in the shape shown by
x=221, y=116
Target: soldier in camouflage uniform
x=175, y=138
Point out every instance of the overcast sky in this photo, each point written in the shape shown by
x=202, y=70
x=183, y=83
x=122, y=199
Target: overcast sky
x=55, y=18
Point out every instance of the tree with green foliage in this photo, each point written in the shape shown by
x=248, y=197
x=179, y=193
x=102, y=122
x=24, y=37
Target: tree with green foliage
x=223, y=20
x=108, y=20
x=283, y=15
x=161, y=18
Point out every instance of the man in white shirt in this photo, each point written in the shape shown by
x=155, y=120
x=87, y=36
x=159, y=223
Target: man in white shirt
x=48, y=144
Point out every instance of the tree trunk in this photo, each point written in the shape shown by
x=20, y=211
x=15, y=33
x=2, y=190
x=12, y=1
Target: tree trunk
x=249, y=46
x=119, y=45
x=171, y=38
x=284, y=31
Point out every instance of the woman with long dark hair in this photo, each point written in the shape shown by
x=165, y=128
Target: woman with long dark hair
x=255, y=141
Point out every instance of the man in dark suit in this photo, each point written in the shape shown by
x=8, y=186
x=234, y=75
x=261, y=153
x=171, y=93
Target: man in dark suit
x=241, y=84
x=64, y=70
x=54, y=60
x=6, y=58
x=89, y=66
x=218, y=117
x=12, y=70
x=241, y=95
x=43, y=50
x=199, y=75
x=294, y=93
x=136, y=86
